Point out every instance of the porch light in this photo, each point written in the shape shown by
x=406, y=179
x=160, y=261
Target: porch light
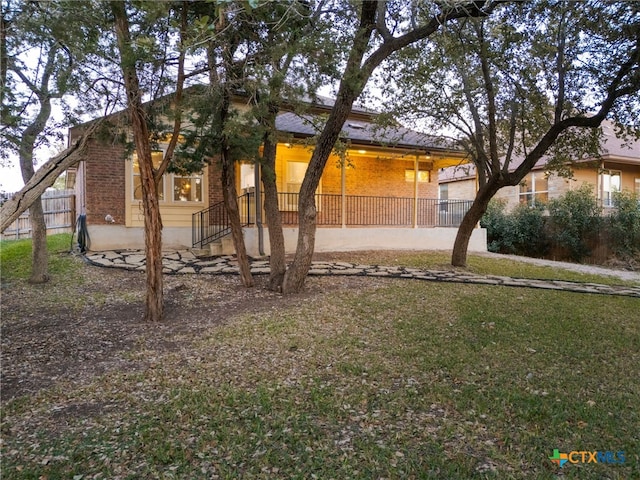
x=362, y=152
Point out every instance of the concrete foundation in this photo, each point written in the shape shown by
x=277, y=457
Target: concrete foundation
x=116, y=237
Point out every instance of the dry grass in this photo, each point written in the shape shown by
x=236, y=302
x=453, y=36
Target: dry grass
x=355, y=378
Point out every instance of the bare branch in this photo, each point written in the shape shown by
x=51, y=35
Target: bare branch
x=44, y=178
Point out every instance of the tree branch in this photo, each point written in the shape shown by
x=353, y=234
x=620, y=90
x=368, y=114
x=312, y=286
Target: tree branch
x=44, y=177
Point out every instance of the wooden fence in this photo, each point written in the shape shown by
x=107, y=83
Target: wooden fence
x=59, y=214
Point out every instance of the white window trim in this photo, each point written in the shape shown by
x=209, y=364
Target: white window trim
x=608, y=202
x=287, y=203
x=533, y=192
x=168, y=183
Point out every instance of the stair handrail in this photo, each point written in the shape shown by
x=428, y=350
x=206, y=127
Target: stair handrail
x=212, y=223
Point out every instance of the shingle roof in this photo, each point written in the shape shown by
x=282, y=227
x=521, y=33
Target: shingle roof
x=614, y=149
x=617, y=147
x=363, y=133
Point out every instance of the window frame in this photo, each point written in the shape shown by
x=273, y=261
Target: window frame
x=529, y=197
x=288, y=200
x=168, y=183
x=606, y=196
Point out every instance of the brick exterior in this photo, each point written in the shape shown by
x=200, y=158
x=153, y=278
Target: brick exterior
x=215, y=182
x=104, y=182
x=379, y=177
x=105, y=170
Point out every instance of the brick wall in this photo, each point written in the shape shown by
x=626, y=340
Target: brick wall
x=105, y=182
x=215, y=181
x=370, y=176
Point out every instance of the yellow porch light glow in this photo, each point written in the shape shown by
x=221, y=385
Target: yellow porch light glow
x=362, y=152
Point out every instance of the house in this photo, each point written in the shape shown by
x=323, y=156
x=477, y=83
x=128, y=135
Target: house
x=617, y=169
x=385, y=196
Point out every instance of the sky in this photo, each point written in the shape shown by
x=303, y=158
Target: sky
x=10, y=174
x=11, y=178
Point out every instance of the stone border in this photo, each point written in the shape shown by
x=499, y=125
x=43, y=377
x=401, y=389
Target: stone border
x=185, y=262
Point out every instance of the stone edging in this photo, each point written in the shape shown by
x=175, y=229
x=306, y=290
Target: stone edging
x=185, y=262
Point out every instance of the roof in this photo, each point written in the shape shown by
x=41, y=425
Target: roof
x=360, y=128
x=614, y=149
x=362, y=132
x=618, y=148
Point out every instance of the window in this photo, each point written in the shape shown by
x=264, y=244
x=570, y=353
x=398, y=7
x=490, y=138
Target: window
x=610, y=181
x=638, y=187
x=534, y=188
x=137, y=182
x=443, y=194
x=185, y=188
x=410, y=175
x=247, y=176
x=293, y=178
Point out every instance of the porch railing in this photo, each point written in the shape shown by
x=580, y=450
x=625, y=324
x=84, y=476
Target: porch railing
x=359, y=211
x=212, y=223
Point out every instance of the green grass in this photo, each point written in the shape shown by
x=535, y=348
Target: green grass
x=15, y=257
x=491, y=266
x=402, y=380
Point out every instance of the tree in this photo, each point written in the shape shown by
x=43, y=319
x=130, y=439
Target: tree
x=43, y=178
x=532, y=83
x=42, y=45
x=383, y=29
x=267, y=55
x=134, y=52
x=293, y=66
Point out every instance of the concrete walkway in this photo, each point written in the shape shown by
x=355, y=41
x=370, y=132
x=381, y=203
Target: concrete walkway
x=185, y=262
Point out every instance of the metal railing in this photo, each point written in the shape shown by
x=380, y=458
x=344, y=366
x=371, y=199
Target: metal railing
x=212, y=223
x=359, y=211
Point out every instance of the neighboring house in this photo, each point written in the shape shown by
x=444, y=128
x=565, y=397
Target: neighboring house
x=618, y=168
x=383, y=196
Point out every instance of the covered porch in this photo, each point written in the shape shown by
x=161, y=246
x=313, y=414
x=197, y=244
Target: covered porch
x=345, y=222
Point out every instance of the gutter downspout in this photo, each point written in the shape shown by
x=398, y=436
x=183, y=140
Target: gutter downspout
x=415, y=191
x=343, y=191
x=258, y=191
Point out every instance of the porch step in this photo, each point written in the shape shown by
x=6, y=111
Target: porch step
x=201, y=252
x=222, y=246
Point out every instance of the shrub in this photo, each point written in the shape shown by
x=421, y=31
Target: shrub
x=499, y=227
x=624, y=224
x=521, y=232
x=575, y=218
x=529, y=230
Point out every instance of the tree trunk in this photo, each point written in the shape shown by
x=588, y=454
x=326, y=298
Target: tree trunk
x=277, y=260
x=39, y=253
x=297, y=272
x=230, y=195
x=150, y=203
x=154, y=301
x=352, y=84
x=469, y=222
